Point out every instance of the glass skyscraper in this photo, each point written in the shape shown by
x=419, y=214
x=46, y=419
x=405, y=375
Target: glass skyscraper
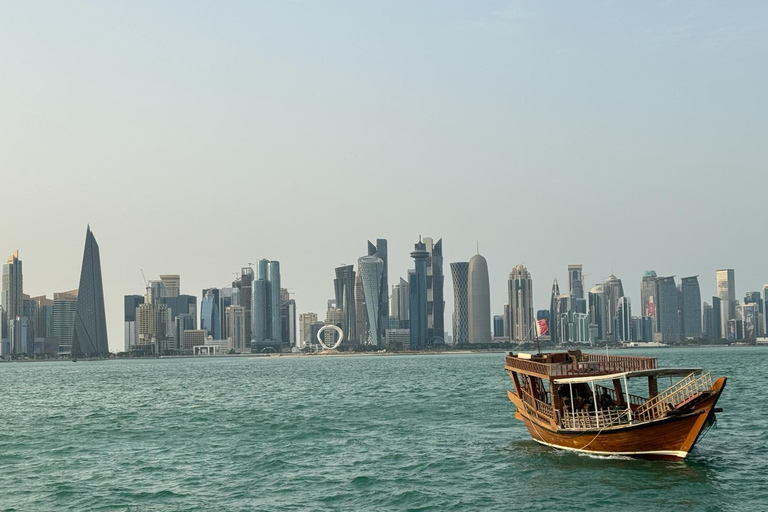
x=90, y=334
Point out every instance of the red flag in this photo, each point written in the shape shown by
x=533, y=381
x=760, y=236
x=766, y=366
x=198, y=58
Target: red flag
x=542, y=327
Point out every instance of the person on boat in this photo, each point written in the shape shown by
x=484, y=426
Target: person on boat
x=606, y=402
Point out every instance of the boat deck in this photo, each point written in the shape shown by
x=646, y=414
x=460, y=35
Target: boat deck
x=576, y=363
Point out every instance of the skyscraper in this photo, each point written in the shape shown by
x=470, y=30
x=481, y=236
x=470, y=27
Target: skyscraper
x=460, y=272
x=210, y=314
x=130, y=305
x=171, y=284
x=726, y=291
x=717, y=328
x=417, y=286
x=690, y=307
x=576, y=281
x=667, y=310
x=554, y=317
x=380, y=251
x=64, y=308
x=597, y=311
x=478, y=300
x=371, y=269
x=624, y=320
x=244, y=285
x=305, y=328
x=265, y=313
x=435, y=297
x=90, y=336
x=520, y=288
x=344, y=287
x=400, y=304
x=613, y=290
x=12, y=292
x=361, y=330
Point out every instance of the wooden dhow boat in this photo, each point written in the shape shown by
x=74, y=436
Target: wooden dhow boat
x=582, y=402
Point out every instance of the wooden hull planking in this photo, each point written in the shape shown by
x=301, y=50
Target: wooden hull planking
x=668, y=438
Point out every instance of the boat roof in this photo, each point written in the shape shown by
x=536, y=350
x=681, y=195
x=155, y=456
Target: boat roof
x=660, y=372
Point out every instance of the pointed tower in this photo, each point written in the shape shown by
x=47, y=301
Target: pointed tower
x=90, y=333
x=553, y=316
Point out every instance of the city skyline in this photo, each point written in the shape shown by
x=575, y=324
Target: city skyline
x=584, y=126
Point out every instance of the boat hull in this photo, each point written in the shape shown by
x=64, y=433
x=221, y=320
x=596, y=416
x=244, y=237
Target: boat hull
x=668, y=438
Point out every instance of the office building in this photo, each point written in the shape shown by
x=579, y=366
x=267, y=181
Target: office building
x=305, y=325
x=210, y=313
x=371, y=269
x=171, y=285
x=613, y=291
x=90, y=334
x=498, y=326
x=726, y=292
x=265, y=316
x=690, y=307
x=667, y=310
x=417, y=286
x=131, y=304
x=344, y=287
x=235, y=316
x=64, y=308
x=399, y=305
x=380, y=251
x=12, y=294
x=554, y=326
x=598, y=313
x=520, y=292
x=576, y=281
x=624, y=318
x=435, y=295
x=478, y=300
x=460, y=273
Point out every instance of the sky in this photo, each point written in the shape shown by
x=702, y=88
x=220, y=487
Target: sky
x=198, y=137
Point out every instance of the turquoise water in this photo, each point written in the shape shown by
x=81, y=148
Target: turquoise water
x=343, y=433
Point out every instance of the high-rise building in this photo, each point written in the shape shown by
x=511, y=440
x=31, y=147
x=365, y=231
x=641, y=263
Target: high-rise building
x=344, y=286
x=498, y=326
x=417, y=286
x=236, y=327
x=624, y=317
x=399, y=305
x=576, y=281
x=717, y=328
x=287, y=319
x=90, y=335
x=305, y=325
x=690, y=307
x=44, y=322
x=64, y=308
x=708, y=321
x=131, y=303
x=598, y=312
x=210, y=313
x=554, y=317
x=266, y=324
x=380, y=251
x=171, y=285
x=765, y=308
x=435, y=296
x=726, y=292
x=460, y=273
x=667, y=310
x=370, y=269
x=478, y=300
x=244, y=287
x=520, y=288
x=361, y=330
x=647, y=290
x=12, y=293
x=613, y=290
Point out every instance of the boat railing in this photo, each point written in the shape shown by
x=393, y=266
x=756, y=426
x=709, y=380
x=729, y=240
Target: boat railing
x=674, y=395
x=541, y=410
x=580, y=419
x=589, y=364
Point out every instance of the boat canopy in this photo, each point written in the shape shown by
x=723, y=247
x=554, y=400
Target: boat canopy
x=661, y=372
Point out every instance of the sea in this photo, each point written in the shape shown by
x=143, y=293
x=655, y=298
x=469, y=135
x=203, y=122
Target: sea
x=426, y=432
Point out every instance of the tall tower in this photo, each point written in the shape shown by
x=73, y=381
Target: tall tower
x=460, y=272
x=344, y=288
x=90, y=336
x=520, y=287
x=171, y=284
x=360, y=312
x=265, y=305
x=399, y=305
x=435, y=298
x=667, y=310
x=554, y=316
x=726, y=292
x=597, y=312
x=380, y=251
x=417, y=282
x=370, y=269
x=690, y=307
x=12, y=292
x=614, y=290
x=479, y=300
x=624, y=320
x=576, y=281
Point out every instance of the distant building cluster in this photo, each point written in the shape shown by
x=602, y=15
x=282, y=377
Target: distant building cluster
x=72, y=324
x=254, y=314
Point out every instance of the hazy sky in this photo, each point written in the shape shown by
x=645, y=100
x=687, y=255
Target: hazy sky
x=197, y=137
